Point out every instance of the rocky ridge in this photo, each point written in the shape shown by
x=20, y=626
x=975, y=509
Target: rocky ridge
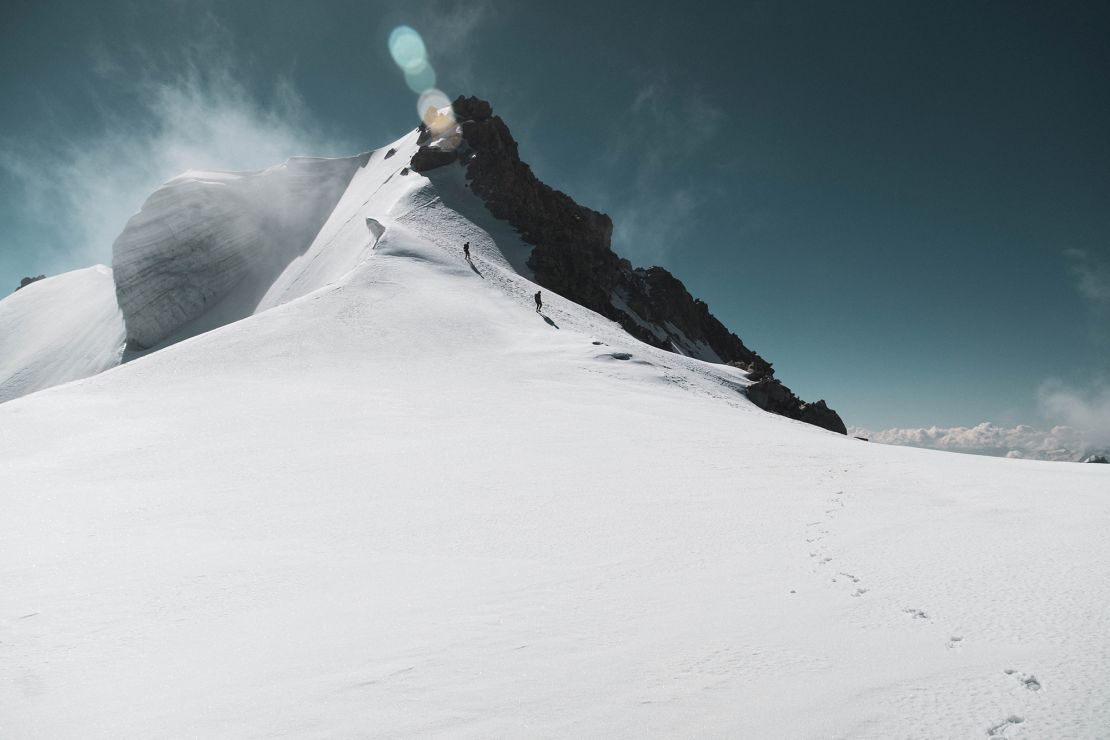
x=572, y=256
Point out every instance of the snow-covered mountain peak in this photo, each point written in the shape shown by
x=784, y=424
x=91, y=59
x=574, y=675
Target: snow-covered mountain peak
x=388, y=493
x=211, y=248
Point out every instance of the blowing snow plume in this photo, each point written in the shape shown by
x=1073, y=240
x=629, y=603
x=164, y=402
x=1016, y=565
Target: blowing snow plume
x=193, y=113
x=207, y=246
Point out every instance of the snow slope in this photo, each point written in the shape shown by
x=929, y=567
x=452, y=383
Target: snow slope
x=400, y=502
x=59, y=329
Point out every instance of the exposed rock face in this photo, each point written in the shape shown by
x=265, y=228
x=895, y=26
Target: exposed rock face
x=428, y=158
x=28, y=280
x=472, y=108
x=819, y=414
x=1097, y=459
x=771, y=395
x=571, y=256
x=680, y=322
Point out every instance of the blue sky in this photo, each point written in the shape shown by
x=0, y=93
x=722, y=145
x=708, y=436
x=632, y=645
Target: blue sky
x=904, y=206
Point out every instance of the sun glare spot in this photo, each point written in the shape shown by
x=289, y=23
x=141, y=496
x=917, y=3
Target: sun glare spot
x=433, y=106
x=435, y=111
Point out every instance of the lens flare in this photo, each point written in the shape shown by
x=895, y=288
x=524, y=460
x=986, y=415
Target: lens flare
x=434, y=107
x=407, y=48
x=421, y=79
x=435, y=111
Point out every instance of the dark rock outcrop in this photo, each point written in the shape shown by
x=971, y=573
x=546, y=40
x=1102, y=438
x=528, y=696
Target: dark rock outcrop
x=28, y=280
x=771, y=395
x=683, y=323
x=1097, y=459
x=819, y=414
x=428, y=158
x=571, y=256
x=472, y=108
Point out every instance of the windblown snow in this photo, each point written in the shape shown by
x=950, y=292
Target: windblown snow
x=207, y=246
x=394, y=500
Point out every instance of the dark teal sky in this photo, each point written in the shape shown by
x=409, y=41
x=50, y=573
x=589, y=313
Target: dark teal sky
x=904, y=206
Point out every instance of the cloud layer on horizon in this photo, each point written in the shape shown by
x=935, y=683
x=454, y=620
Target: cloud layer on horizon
x=1022, y=441
x=1081, y=425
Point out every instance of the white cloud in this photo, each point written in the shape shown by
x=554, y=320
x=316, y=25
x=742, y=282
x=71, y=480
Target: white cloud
x=1057, y=443
x=190, y=113
x=1080, y=418
x=1086, y=409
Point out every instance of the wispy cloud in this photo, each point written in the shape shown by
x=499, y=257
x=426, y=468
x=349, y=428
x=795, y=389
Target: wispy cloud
x=1092, y=277
x=686, y=122
x=451, y=28
x=657, y=134
x=649, y=228
x=190, y=112
x=1092, y=281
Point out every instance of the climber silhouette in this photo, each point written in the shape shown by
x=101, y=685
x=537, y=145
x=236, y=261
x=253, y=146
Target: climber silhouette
x=539, y=302
x=466, y=251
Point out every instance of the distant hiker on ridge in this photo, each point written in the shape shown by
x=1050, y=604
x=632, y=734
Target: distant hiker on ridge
x=466, y=251
x=539, y=302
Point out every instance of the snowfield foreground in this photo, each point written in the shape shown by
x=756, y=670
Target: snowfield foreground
x=396, y=501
